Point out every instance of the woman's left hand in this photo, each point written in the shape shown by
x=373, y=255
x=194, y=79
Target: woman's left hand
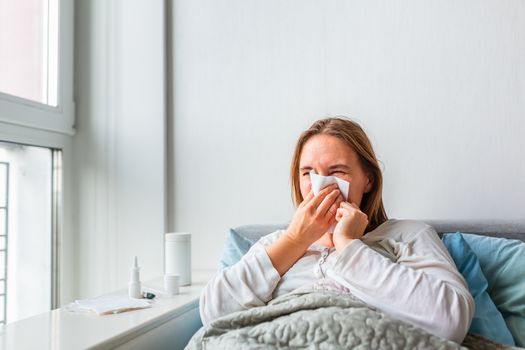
x=351, y=224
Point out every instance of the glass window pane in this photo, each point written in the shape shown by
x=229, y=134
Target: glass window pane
x=2, y=265
x=28, y=240
x=3, y=184
x=29, y=49
x=3, y=223
x=2, y=313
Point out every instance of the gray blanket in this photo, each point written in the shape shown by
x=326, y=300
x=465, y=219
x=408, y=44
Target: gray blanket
x=321, y=320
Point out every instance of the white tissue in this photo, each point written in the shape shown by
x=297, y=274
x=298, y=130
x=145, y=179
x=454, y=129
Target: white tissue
x=111, y=304
x=319, y=182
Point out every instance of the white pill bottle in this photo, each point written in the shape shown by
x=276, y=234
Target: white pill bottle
x=177, y=256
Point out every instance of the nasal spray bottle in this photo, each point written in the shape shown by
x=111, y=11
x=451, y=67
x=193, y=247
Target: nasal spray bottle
x=134, y=280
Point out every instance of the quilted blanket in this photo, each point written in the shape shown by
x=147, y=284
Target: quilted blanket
x=321, y=320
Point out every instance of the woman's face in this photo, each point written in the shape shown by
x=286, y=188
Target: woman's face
x=328, y=155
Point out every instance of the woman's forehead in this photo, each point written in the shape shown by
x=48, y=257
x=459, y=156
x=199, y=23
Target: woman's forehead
x=325, y=150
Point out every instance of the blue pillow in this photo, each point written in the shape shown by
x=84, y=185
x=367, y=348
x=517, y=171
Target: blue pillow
x=487, y=321
x=236, y=246
x=503, y=264
x=240, y=240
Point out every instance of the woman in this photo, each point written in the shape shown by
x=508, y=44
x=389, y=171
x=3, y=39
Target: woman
x=400, y=267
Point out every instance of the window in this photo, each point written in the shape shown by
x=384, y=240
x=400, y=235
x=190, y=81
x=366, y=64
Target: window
x=36, y=124
x=29, y=49
x=27, y=237
x=36, y=64
x=4, y=185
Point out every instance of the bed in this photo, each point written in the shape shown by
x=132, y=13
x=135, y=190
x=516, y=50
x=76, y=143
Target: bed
x=324, y=320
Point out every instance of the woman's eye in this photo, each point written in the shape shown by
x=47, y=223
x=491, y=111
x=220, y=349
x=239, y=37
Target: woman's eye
x=306, y=174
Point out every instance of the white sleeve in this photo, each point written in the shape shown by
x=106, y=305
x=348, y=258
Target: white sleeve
x=248, y=283
x=423, y=288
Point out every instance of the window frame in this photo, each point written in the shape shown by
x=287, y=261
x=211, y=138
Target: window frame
x=32, y=123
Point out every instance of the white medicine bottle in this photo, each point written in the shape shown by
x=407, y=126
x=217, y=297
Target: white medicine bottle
x=177, y=256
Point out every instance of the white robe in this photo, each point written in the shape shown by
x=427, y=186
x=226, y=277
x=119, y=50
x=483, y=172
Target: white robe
x=401, y=268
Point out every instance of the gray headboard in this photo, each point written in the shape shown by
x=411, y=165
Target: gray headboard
x=512, y=229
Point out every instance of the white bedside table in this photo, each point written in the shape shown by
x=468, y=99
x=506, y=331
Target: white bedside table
x=168, y=324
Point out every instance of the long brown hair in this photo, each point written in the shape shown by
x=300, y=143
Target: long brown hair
x=354, y=136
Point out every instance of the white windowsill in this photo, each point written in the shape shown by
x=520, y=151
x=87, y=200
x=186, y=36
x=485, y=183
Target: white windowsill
x=63, y=329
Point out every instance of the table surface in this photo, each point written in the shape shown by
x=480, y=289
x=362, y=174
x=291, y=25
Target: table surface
x=64, y=329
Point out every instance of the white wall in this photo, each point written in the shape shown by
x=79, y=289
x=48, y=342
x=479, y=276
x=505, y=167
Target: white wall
x=119, y=148
x=438, y=85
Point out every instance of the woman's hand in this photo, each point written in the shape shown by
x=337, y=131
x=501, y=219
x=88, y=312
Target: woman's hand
x=351, y=224
x=314, y=215
x=311, y=220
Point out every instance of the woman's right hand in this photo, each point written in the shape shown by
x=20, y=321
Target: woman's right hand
x=315, y=215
